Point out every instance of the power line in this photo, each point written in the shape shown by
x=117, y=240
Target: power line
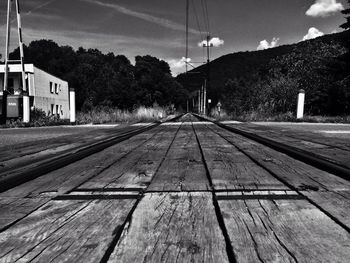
x=197, y=19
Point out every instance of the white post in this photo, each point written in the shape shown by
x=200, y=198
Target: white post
x=26, y=108
x=301, y=103
x=72, y=105
x=205, y=101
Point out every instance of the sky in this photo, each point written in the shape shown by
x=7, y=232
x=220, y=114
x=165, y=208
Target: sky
x=157, y=27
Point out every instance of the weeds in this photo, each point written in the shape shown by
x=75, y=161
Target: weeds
x=104, y=115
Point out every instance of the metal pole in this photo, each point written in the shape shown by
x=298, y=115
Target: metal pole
x=7, y=52
x=26, y=104
x=8, y=36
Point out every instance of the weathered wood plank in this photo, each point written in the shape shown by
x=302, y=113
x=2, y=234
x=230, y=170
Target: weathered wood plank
x=329, y=149
x=172, y=228
x=137, y=168
x=229, y=168
x=14, y=209
x=283, y=231
x=182, y=169
x=65, y=231
x=299, y=175
x=336, y=203
x=71, y=176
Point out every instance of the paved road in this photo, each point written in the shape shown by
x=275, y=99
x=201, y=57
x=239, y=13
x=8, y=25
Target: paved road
x=181, y=192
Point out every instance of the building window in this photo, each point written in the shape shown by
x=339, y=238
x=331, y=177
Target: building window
x=56, y=88
x=52, y=109
x=61, y=109
x=57, y=111
x=51, y=87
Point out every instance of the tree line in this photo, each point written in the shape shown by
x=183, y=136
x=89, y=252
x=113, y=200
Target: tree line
x=107, y=79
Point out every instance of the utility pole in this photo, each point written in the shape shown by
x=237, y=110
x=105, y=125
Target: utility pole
x=25, y=93
x=207, y=45
x=199, y=101
x=187, y=25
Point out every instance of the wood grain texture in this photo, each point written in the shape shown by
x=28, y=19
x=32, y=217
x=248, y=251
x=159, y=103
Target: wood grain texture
x=337, y=151
x=229, y=168
x=182, y=169
x=283, y=231
x=336, y=203
x=14, y=209
x=71, y=176
x=172, y=228
x=137, y=168
x=65, y=231
x=299, y=175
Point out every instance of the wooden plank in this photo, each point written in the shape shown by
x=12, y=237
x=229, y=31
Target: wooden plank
x=71, y=176
x=298, y=134
x=65, y=231
x=172, y=228
x=137, y=168
x=182, y=169
x=325, y=147
x=229, y=168
x=14, y=209
x=283, y=231
x=336, y=203
x=299, y=175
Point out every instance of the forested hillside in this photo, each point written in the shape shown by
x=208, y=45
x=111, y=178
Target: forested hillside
x=268, y=81
x=107, y=79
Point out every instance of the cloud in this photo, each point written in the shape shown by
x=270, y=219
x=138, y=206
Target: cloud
x=215, y=42
x=146, y=17
x=264, y=44
x=313, y=33
x=324, y=8
x=178, y=65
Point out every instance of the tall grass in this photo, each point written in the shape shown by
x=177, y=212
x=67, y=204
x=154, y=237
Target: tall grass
x=105, y=115
x=257, y=115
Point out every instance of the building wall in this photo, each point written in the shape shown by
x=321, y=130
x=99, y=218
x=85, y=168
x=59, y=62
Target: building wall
x=51, y=93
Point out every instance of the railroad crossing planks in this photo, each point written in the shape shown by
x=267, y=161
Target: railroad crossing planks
x=337, y=151
x=71, y=176
x=316, y=184
x=14, y=209
x=229, y=168
x=283, y=231
x=65, y=231
x=182, y=169
x=172, y=227
x=137, y=168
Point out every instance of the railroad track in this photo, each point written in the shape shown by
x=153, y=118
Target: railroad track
x=184, y=191
x=308, y=157
x=19, y=175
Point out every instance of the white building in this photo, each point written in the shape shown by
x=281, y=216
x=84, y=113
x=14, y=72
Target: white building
x=46, y=91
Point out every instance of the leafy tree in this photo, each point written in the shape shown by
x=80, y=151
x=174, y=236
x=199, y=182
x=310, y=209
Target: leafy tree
x=106, y=79
x=346, y=25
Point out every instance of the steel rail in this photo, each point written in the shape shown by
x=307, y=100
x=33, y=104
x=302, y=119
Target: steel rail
x=13, y=178
x=310, y=158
